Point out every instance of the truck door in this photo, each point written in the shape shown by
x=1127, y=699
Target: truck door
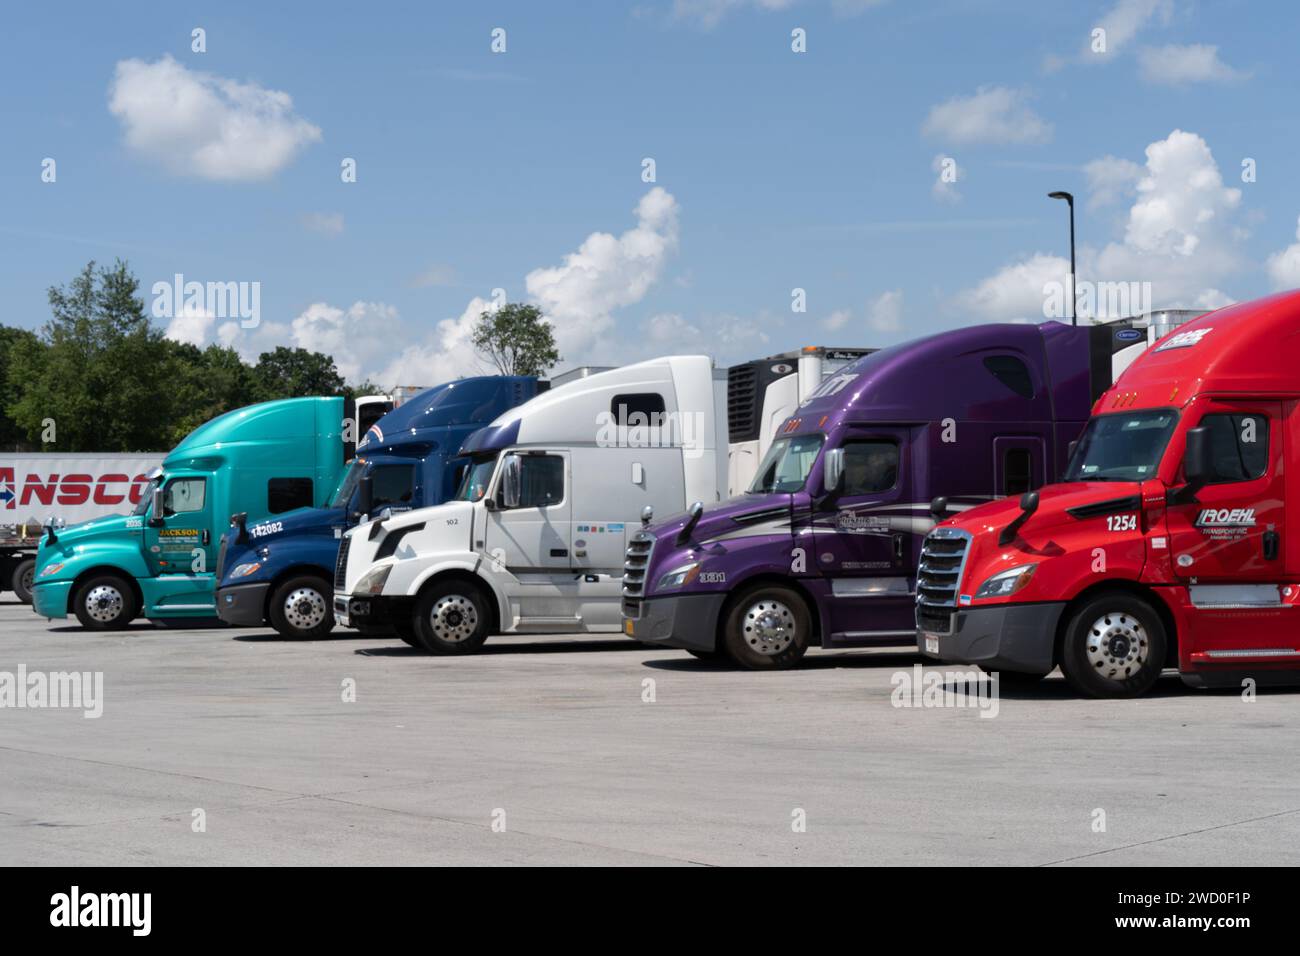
x=182, y=543
x=864, y=539
x=1232, y=532
x=533, y=535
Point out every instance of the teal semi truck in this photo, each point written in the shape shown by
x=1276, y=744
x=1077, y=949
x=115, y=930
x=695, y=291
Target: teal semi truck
x=160, y=560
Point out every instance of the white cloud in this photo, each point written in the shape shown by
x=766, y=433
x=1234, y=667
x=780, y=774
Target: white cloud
x=727, y=338
x=837, y=320
x=1111, y=179
x=708, y=13
x=1122, y=23
x=945, y=183
x=886, y=312
x=1284, y=266
x=1180, y=236
x=203, y=125
x=993, y=114
x=438, y=274
x=192, y=326
x=606, y=273
x=445, y=354
x=324, y=223
x=1175, y=65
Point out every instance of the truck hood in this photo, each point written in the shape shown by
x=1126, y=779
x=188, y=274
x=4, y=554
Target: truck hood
x=746, y=515
x=298, y=521
x=85, y=534
x=439, y=529
x=1054, y=505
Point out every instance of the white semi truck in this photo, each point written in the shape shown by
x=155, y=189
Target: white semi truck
x=37, y=488
x=536, y=538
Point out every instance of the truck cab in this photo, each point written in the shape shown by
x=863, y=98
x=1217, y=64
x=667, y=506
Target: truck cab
x=281, y=570
x=822, y=547
x=159, y=561
x=534, y=541
x=1170, y=541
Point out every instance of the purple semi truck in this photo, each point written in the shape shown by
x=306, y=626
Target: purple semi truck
x=823, y=547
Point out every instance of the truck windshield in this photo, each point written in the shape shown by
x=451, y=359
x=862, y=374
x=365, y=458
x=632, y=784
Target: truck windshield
x=348, y=483
x=785, y=467
x=146, y=497
x=1122, y=446
x=475, y=483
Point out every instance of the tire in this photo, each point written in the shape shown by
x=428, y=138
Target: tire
x=105, y=602
x=767, y=628
x=451, y=618
x=1114, y=646
x=20, y=582
x=301, y=608
x=406, y=631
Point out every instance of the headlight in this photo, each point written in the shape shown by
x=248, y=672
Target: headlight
x=52, y=569
x=244, y=570
x=678, y=577
x=1007, y=582
x=372, y=582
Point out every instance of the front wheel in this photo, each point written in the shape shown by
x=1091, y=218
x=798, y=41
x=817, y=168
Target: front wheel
x=1114, y=647
x=767, y=628
x=20, y=582
x=300, y=608
x=451, y=618
x=105, y=602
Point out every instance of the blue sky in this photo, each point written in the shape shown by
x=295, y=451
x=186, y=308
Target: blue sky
x=522, y=170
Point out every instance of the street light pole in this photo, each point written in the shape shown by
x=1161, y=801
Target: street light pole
x=1074, y=293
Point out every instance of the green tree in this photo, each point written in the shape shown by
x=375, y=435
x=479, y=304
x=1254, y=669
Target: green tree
x=99, y=368
x=13, y=375
x=516, y=339
x=293, y=372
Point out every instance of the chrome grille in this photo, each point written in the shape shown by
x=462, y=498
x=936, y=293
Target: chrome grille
x=341, y=566
x=938, y=578
x=635, y=568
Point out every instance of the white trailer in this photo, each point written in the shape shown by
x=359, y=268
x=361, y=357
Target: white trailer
x=38, y=488
x=536, y=539
x=765, y=392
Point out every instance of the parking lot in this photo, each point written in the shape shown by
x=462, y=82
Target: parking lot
x=551, y=750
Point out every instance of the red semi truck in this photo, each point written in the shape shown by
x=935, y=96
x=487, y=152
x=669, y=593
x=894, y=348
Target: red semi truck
x=1173, y=540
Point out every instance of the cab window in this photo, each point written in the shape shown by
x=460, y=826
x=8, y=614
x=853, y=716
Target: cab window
x=392, y=484
x=286, y=494
x=870, y=466
x=1017, y=471
x=541, y=480
x=184, y=495
x=1238, y=445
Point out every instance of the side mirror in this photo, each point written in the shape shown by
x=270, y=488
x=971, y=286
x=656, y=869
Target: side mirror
x=647, y=516
x=240, y=523
x=695, y=511
x=156, y=509
x=511, y=477
x=1198, y=463
x=1028, y=505
x=939, y=508
x=833, y=471
x=365, y=497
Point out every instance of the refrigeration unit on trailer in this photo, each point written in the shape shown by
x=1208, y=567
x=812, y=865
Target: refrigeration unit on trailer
x=159, y=560
x=822, y=548
x=40, y=489
x=763, y=393
x=535, y=540
x=1172, y=541
x=281, y=570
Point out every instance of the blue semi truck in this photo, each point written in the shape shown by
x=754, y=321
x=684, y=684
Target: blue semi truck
x=281, y=570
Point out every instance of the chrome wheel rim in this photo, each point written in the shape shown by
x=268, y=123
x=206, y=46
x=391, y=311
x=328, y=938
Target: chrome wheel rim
x=104, y=604
x=305, y=608
x=1117, y=646
x=769, y=627
x=453, y=618
x=26, y=579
